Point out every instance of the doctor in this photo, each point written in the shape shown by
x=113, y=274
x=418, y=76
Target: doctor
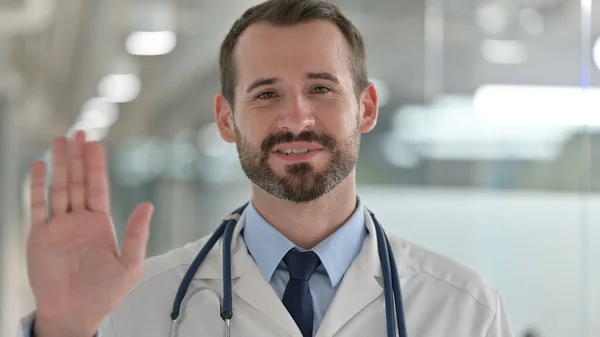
x=304, y=254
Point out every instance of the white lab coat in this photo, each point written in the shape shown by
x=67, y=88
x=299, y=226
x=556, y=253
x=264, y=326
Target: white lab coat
x=441, y=297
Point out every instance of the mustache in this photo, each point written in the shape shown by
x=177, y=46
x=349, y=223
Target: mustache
x=306, y=136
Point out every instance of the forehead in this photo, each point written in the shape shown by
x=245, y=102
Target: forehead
x=263, y=50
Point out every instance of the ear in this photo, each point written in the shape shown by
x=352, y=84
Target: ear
x=369, y=109
x=224, y=118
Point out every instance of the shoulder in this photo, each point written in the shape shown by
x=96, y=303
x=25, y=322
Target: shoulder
x=447, y=275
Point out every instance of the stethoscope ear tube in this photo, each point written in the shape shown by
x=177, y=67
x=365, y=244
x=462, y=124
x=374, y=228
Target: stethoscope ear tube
x=387, y=281
x=189, y=275
x=392, y=286
x=397, y=289
x=227, y=308
x=391, y=283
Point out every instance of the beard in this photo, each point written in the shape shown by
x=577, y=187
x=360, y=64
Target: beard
x=302, y=183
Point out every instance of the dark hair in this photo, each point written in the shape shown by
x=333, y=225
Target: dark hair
x=289, y=13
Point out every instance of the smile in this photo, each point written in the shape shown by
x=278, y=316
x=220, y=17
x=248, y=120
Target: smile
x=294, y=151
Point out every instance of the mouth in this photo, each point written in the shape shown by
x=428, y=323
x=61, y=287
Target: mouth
x=297, y=148
x=295, y=152
x=291, y=156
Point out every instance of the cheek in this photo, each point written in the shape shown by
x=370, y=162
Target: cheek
x=339, y=125
x=254, y=133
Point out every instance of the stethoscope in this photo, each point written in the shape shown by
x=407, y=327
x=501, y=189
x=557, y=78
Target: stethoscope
x=391, y=282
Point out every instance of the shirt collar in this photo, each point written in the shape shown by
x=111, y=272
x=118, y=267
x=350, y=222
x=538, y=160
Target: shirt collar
x=337, y=252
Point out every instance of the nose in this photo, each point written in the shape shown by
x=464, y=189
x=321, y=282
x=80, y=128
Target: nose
x=297, y=115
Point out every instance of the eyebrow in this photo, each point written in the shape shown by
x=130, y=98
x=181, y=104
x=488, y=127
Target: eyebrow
x=262, y=82
x=323, y=76
x=272, y=80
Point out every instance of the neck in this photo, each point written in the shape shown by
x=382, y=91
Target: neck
x=307, y=224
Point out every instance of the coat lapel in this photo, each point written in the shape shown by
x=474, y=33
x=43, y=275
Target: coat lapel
x=253, y=288
x=356, y=291
x=360, y=286
x=361, y=283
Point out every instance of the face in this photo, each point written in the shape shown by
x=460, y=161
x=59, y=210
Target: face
x=297, y=120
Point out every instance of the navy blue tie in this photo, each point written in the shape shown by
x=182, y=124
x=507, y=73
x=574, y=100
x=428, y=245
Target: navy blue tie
x=297, y=298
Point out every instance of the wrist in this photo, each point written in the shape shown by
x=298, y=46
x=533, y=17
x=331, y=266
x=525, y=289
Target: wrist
x=47, y=327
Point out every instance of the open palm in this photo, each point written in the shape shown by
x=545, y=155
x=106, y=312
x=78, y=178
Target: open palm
x=77, y=274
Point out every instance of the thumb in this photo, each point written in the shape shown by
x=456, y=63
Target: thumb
x=136, y=236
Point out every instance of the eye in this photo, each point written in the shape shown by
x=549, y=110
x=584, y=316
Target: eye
x=321, y=90
x=266, y=95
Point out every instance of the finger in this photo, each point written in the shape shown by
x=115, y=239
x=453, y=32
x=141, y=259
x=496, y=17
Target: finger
x=77, y=173
x=96, y=189
x=136, y=237
x=37, y=193
x=59, y=194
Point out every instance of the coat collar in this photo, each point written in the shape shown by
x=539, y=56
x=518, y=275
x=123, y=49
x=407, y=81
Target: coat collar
x=369, y=255
x=365, y=274
x=337, y=252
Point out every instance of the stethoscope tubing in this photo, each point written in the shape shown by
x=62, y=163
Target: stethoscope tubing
x=392, y=287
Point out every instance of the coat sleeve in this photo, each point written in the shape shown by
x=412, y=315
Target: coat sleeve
x=500, y=326
x=26, y=327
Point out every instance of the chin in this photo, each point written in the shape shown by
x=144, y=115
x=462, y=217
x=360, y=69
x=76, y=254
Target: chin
x=280, y=167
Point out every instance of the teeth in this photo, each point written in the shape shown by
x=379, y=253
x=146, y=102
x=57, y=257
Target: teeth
x=294, y=151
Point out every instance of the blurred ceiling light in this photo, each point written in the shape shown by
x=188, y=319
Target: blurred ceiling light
x=152, y=26
x=92, y=133
x=520, y=105
x=532, y=22
x=450, y=129
x=492, y=19
x=383, y=91
x=504, y=51
x=596, y=53
x=99, y=113
x=151, y=43
x=119, y=88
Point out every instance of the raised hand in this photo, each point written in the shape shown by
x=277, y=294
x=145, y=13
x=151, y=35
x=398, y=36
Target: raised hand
x=76, y=272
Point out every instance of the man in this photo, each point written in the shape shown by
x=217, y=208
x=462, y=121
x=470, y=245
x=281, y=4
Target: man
x=295, y=99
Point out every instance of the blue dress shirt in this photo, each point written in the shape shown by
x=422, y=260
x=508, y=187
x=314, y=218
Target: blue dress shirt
x=337, y=252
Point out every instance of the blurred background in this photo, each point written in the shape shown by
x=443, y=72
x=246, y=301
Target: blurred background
x=486, y=150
